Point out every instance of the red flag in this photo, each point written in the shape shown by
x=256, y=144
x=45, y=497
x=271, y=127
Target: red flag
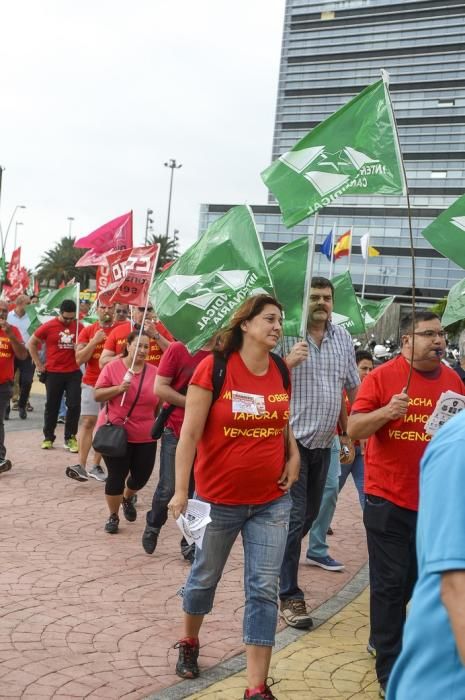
x=36, y=289
x=17, y=277
x=130, y=275
x=113, y=236
x=102, y=278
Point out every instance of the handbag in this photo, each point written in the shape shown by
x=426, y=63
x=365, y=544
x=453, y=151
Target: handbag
x=112, y=440
x=160, y=421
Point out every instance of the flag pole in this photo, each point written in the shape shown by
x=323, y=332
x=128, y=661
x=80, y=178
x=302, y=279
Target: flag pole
x=308, y=279
x=350, y=249
x=78, y=292
x=365, y=268
x=331, y=264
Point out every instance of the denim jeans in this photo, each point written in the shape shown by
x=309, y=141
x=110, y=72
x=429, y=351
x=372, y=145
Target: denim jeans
x=306, y=495
x=264, y=531
x=357, y=469
x=317, y=546
x=157, y=516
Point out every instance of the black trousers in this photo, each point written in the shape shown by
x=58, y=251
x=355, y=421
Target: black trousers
x=55, y=384
x=6, y=392
x=26, y=369
x=391, y=532
x=138, y=463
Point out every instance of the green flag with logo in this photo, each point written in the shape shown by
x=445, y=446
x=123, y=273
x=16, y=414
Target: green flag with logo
x=196, y=296
x=372, y=311
x=455, y=307
x=447, y=232
x=48, y=305
x=288, y=266
x=353, y=152
x=346, y=311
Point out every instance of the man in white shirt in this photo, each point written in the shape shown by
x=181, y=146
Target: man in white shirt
x=19, y=318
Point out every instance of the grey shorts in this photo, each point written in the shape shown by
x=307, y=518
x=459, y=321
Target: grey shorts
x=89, y=406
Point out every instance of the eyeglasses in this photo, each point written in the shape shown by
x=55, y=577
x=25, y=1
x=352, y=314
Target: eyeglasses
x=142, y=308
x=431, y=334
x=68, y=319
x=122, y=312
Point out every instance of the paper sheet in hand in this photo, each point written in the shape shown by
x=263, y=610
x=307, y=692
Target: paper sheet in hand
x=194, y=521
x=449, y=404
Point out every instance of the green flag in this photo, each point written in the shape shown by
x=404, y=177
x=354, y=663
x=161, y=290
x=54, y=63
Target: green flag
x=355, y=151
x=346, y=311
x=455, y=307
x=447, y=232
x=2, y=270
x=372, y=311
x=196, y=296
x=48, y=305
x=288, y=267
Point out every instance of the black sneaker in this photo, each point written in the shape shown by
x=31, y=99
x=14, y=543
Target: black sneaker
x=129, y=508
x=5, y=465
x=187, y=666
x=150, y=539
x=112, y=524
x=264, y=694
x=22, y=412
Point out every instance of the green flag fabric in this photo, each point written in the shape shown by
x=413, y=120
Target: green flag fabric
x=355, y=151
x=288, y=267
x=49, y=304
x=447, y=232
x=196, y=296
x=346, y=310
x=372, y=311
x=455, y=307
x=2, y=270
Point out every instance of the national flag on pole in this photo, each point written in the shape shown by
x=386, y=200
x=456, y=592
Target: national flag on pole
x=372, y=311
x=367, y=250
x=455, y=307
x=196, y=296
x=447, y=232
x=113, y=236
x=48, y=305
x=327, y=245
x=288, y=266
x=355, y=151
x=346, y=310
x=130, y=275
x=343, y=245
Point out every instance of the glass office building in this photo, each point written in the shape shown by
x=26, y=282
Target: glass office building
x=330, y=52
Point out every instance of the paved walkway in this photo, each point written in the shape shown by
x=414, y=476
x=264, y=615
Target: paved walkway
x=87, y=615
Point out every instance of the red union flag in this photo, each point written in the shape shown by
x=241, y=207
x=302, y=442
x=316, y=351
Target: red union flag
x=113, y=236
x=131, y=272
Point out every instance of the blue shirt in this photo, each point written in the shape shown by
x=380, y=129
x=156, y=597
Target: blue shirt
x=429, y=667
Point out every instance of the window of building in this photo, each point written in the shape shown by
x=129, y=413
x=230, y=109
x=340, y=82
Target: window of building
x=446, y=103
x=438, y=174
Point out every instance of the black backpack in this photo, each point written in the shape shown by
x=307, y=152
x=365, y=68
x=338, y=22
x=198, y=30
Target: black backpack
x=219, y=373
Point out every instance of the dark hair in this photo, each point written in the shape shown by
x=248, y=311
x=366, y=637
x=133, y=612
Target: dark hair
x=132, y=336
x=363, y=355
x=68, y=305
x=322, y=283
x=231, y=338
x=406, y=325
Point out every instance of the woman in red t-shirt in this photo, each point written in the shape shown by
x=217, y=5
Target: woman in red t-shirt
x=246, y=460
x=128, y=474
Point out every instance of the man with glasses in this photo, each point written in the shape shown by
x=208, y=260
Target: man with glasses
x=159, y=337
x=11, y=347
x=62, y=372
x=393, y=421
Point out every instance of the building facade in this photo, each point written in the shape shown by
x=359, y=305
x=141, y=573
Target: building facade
x=331, y=50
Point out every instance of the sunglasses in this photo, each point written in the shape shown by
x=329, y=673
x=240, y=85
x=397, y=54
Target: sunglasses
x=142, y=308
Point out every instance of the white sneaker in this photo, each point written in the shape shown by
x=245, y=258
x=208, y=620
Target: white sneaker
x=97, y=473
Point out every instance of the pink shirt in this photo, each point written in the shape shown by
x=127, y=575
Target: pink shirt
x=141, y=420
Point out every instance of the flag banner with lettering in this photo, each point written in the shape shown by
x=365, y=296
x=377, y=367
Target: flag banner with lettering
x=455, y=307
x=372, y=311
x=130, y=275
x=196, y=296
x=18, y=278
x=112, y=236
x=353, y=152
x=447, y=232
x=288, y=266
x=48, y=305
x=346, y=310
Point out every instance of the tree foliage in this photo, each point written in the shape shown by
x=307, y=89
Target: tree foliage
x=168, y=249
x=59, y=264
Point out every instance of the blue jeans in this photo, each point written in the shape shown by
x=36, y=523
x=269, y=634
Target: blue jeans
x=264, y=531
x=157, y=516
x=306, y=495
x=317, y=546
x=357, y=469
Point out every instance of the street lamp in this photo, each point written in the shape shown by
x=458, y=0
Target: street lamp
x=18, y=223
x=70, y=224
x=148, y=225
x=173, y=165
x=18, y=206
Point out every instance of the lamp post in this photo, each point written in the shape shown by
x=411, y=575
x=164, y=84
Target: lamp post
x=18, y=206
x=148, y=225
x=70, y=224
x=174, y=166
x=18, y=223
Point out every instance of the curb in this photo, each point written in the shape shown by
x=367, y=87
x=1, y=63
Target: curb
x=234, y=665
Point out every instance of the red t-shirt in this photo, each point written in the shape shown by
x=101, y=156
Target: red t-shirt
x=116, y=341
x=241, y=456
x=393, y=453
x=7, y=356
x=59, y=339
x=139, y=425
x=92, y=366
x=179, y=365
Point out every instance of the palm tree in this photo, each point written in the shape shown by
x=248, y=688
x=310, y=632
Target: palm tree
x=59, y=264
x=168, y=248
